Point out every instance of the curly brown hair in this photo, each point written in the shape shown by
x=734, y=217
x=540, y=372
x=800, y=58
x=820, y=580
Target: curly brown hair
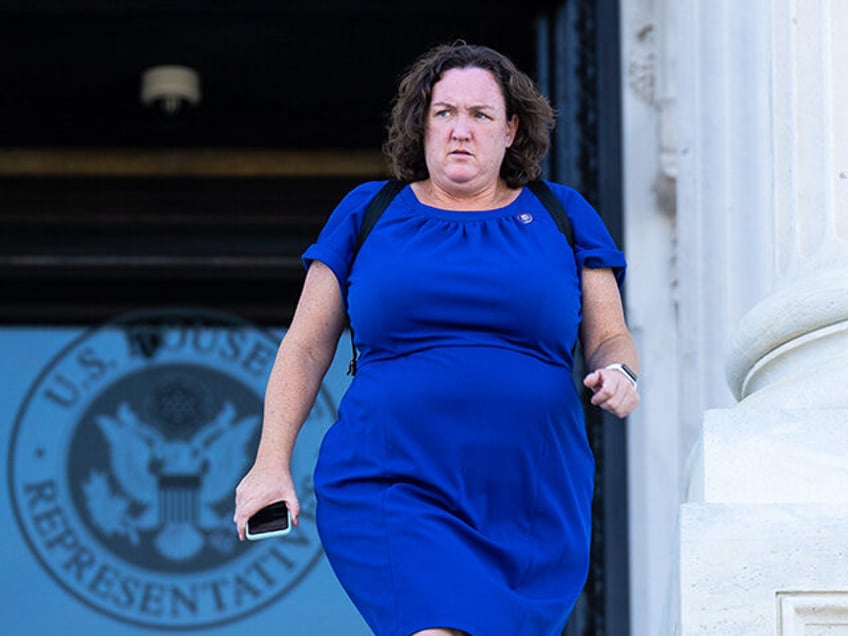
x=404, y=146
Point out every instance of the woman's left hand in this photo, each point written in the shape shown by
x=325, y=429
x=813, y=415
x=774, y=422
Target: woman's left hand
x=612, y=391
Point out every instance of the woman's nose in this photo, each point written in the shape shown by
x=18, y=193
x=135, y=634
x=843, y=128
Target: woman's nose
x=461, y=131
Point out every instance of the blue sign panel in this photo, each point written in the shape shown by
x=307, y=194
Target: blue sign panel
x=124, y=444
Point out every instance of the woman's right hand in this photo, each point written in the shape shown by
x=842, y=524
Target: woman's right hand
x=264, y=484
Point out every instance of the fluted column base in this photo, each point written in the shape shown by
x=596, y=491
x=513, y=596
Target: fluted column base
x=791, y=350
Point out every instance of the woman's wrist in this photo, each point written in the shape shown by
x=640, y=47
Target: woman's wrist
x=626, y=371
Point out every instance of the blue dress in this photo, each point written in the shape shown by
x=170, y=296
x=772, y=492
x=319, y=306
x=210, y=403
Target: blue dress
x=455, y=489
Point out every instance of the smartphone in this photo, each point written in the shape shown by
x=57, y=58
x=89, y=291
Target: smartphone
x=272, y=521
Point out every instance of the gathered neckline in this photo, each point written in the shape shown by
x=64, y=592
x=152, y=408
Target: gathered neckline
x=412, y=202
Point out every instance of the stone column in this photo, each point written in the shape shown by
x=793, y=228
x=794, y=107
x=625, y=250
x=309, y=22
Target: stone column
x=763, y=537
x=791, y=350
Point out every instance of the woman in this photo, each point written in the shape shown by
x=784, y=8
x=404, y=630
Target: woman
x=454, y=491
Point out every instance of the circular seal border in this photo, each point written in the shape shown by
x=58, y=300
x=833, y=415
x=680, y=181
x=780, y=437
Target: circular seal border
x=214, y=317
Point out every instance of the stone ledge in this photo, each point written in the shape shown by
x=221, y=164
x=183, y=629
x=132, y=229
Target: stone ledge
x=775, y=456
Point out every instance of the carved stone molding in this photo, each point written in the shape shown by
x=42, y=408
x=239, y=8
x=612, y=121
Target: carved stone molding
x=812, y=613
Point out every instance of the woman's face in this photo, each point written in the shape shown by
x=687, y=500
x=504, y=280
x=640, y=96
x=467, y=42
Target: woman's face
x=467, y=131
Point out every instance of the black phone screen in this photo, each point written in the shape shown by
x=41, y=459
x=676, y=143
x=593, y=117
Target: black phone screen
x=270, y=519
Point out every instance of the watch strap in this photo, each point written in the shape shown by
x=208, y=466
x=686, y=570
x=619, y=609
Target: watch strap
x=627, y=371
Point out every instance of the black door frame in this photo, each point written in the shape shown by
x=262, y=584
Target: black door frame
x=579, y=67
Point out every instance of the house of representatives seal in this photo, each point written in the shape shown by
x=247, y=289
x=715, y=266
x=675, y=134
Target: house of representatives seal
x=123, y=463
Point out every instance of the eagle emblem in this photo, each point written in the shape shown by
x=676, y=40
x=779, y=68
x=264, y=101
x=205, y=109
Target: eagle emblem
x=168, y=486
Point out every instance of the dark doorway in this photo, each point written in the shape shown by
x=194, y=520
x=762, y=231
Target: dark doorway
x=109, y=205
x=579, y=64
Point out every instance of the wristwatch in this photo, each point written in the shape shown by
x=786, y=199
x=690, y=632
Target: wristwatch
x=627, y=371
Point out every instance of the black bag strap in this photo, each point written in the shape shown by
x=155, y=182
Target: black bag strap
x=375, y=210
x=372, y=214
x=390, y=190
x=553, y=205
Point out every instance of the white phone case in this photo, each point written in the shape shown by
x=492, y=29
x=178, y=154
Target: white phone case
x=268, y=535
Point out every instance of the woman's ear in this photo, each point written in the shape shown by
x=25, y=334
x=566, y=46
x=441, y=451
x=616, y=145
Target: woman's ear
x=511, y=130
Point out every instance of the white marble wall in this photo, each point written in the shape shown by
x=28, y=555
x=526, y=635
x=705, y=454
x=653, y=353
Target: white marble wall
x=654, y=461
x=736, y=213
x=763, y=570
x=775, y=456
x=695, y=191
x=762, y=543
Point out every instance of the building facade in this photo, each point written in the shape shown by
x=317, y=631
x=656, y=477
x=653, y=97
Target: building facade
x=712, y=135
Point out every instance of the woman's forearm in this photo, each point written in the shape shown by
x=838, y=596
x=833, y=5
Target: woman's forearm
x=289, y=396
x=303, y=358
x=615, y=349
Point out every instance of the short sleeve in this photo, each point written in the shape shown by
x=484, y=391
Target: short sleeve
x=337, y=239
x=594, y=247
